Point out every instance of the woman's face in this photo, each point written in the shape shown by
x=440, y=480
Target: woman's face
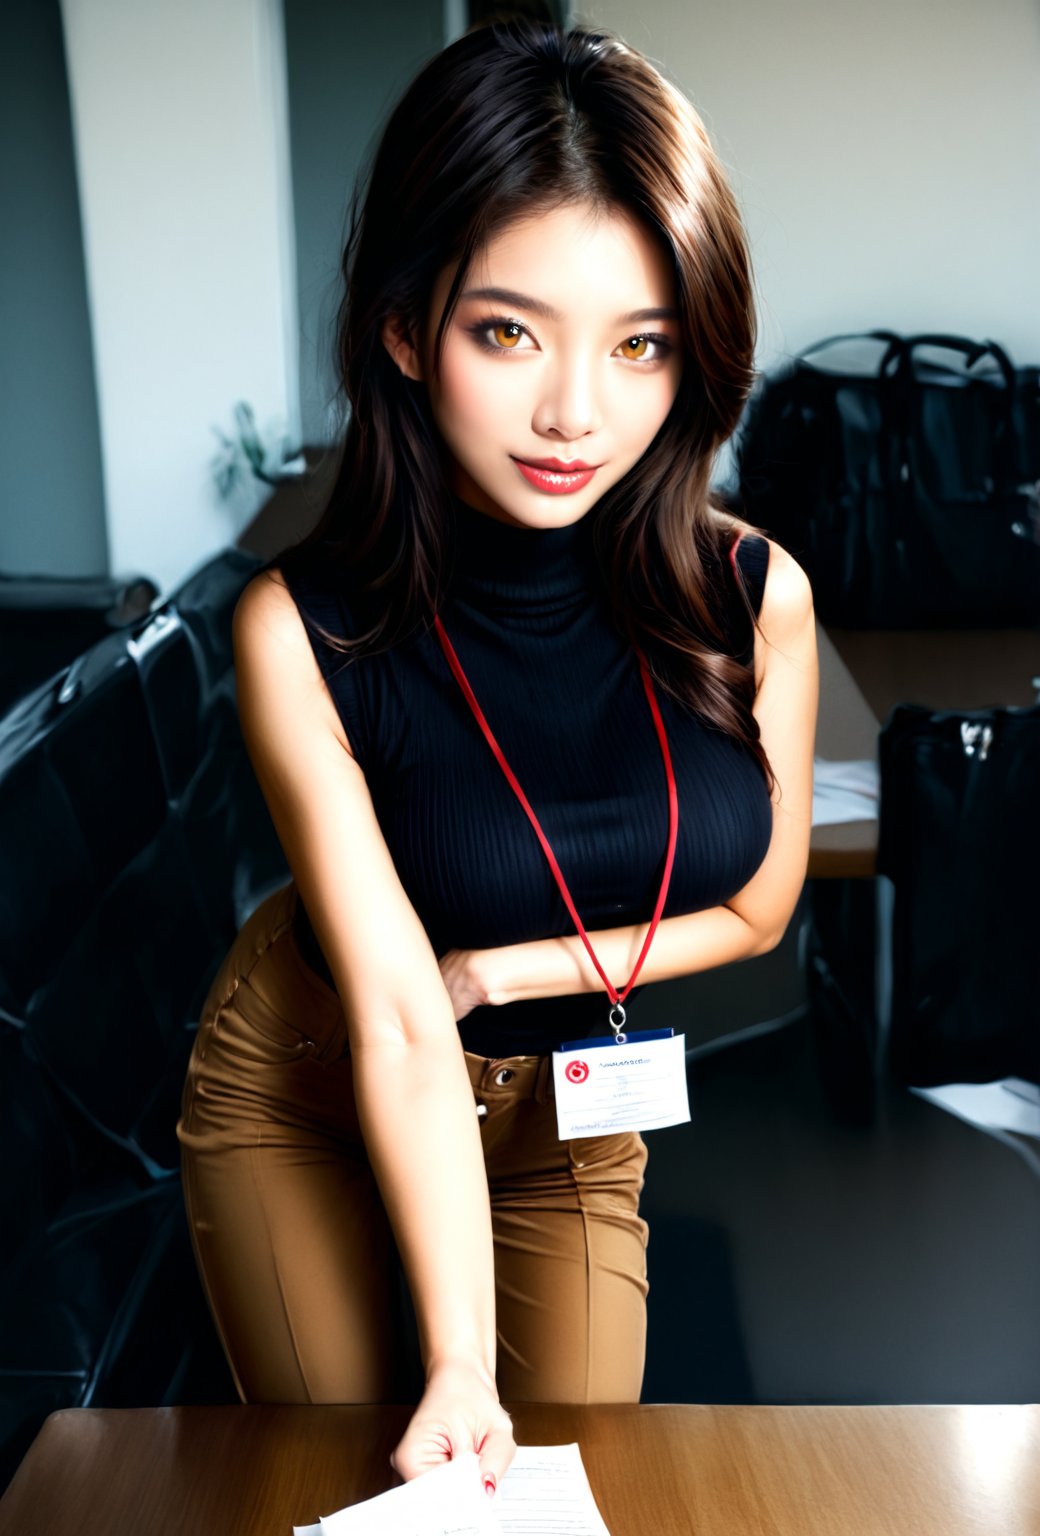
x=577, y=356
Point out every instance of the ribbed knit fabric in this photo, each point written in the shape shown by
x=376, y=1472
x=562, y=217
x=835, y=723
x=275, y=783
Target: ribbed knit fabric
x=561, y=690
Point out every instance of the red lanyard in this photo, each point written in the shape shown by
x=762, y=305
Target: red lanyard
x=673, y=820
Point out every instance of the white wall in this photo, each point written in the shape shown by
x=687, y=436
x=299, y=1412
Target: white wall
x=886, y=155
x=180, y=125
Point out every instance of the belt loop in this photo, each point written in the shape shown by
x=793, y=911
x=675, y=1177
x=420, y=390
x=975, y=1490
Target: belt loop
x=543, y=1080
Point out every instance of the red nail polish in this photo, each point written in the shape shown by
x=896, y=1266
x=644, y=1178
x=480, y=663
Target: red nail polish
x=489, y=1486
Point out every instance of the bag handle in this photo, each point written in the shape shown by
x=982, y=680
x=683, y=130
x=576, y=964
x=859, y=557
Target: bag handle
x=901, y=385
x=901, y=348
x=895, y=343
x=972, y=351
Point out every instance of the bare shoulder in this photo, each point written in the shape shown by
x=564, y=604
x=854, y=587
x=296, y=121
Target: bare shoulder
x=273, y=653
x=786, y=632
x=265, y=604
x=787, y=600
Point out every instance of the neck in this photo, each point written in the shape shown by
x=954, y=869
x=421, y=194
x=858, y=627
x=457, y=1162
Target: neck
x=510, y=565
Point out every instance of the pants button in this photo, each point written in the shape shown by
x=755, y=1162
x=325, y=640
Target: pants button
x=503, y=1076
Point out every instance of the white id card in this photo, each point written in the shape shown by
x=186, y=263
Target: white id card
x=638, y=1086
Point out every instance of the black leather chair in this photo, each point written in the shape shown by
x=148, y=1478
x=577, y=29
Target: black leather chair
x=133, y=843
x=47, y=621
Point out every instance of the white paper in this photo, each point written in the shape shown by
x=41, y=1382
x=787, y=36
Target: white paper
x=1010, y=1104
x=544, y=1493
x=611, y=1088
x=451, y=1498
x=845, y=790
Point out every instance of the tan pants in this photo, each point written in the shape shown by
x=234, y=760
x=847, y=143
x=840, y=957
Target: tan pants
x=292, y=1241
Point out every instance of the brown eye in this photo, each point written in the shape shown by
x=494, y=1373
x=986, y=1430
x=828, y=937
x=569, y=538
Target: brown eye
x=637, y=341
x=507, y=333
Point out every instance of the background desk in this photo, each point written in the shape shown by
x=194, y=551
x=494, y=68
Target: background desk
x=671, y=1470
x=943, y=668
x=865, y=673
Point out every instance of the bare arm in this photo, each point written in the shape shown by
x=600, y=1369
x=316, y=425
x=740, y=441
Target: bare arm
x=561, y=967
x=756, y=918
x=414, y=1100
x=787, y=697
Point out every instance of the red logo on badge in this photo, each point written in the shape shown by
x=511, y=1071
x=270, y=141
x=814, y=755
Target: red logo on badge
x=576, y=1071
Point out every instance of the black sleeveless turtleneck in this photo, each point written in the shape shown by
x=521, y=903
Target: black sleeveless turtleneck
x=561, y=690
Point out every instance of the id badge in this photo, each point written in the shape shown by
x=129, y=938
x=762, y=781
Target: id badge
x=602, y=1087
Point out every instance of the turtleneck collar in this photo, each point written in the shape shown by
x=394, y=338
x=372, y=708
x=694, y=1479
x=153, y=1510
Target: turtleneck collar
x=509, y=566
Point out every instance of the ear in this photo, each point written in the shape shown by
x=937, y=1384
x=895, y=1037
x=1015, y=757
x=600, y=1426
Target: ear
x=398, y=341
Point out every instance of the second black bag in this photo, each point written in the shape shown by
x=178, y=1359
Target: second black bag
x=959, y=837
x=907, y=486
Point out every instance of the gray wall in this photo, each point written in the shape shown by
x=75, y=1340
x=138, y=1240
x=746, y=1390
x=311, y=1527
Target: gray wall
x=52, y=515
x=886, y=155
x=347, y=65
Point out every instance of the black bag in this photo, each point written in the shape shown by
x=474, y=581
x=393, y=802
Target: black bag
x=909, y=489
x=959, y=837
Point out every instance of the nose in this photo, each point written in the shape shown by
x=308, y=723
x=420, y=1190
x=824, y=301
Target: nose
x=568, y=406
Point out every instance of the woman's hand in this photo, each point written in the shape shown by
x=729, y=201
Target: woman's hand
x=459, y=1412
x=465, y=985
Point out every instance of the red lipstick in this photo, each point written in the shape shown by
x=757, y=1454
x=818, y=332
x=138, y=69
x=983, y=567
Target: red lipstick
x=555, y=476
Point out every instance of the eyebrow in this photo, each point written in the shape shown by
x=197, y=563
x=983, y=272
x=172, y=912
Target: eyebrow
x=537, y=307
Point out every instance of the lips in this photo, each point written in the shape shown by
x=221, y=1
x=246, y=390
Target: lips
x=569, y=466
x=554, y=477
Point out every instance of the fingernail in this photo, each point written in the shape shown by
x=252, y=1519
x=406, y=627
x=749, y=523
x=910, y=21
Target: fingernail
x=489, y=1486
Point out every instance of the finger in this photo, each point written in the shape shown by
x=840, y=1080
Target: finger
x=412, y=1463
x=496, y=1454
x=418, y=1453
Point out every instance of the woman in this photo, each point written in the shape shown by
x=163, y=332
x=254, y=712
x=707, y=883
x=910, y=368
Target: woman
x=547, y=332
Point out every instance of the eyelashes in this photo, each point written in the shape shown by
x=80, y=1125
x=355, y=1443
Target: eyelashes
x=480, y=329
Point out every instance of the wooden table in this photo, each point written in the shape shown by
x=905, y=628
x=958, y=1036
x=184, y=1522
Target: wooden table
x=935, y=1470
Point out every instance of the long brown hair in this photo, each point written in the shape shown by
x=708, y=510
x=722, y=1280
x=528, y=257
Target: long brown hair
x=514, y=117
